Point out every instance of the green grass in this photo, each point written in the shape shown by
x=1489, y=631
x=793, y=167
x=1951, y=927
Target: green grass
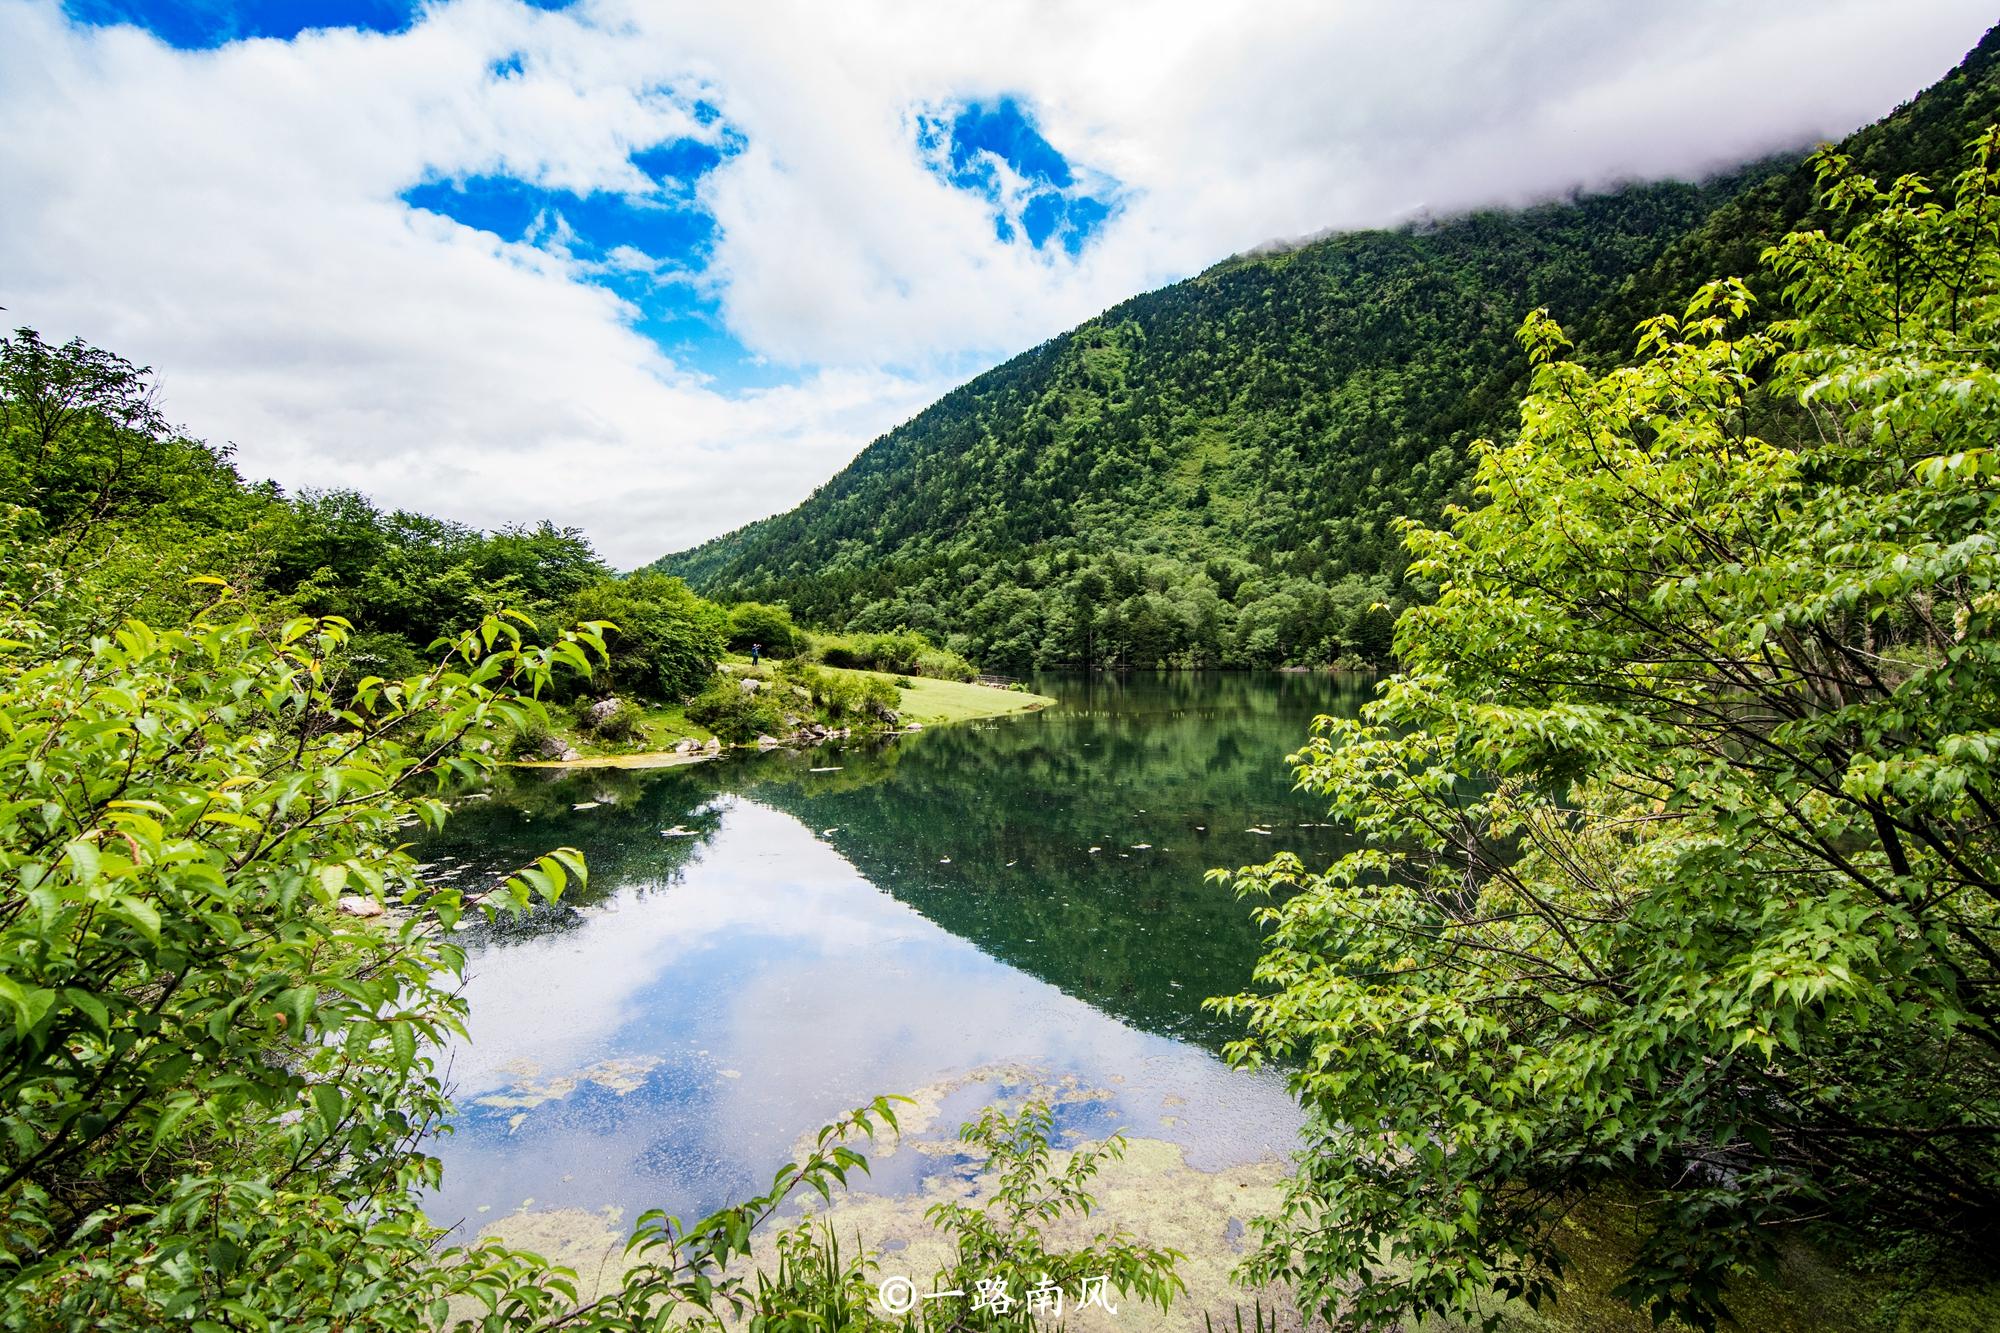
x=925, y=701
x=935, y=702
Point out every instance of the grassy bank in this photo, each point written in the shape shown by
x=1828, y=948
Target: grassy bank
x=663, y=735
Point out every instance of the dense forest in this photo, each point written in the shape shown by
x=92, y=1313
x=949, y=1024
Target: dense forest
x=1211, y=474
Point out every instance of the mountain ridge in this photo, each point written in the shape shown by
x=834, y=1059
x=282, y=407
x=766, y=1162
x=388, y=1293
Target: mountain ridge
x=1208, y=474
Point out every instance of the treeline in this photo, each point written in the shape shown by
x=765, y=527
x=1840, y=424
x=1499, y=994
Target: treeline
x=102, y=486
x=1062, y=608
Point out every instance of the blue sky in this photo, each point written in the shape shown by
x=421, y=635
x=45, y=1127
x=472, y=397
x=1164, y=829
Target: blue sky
x=657, y=268
x=651, y=246
x=201, y=24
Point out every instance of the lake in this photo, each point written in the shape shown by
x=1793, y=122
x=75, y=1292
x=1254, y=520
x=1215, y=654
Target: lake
x=960, y=914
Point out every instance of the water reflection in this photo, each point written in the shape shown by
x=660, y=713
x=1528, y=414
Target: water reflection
x=928, y=909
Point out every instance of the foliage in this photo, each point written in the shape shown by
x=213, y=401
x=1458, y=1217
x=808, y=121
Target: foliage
x=841, y=695
x=665, y=641
x=1683, y=852
x=83, y=445
x=216, y=1081
x=1000, y=1242
x=902, y=652
x=736, y=714
x=211, y=1083
x=619, y=723
x=1198, y=465
x=767, y=628
x=1000, y=1238
x=113, y=489
x=410, y=575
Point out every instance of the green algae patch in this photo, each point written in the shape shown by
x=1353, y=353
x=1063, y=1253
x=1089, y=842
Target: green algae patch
x=1151, y=1193
x=529, y=1089
x=917, y=1115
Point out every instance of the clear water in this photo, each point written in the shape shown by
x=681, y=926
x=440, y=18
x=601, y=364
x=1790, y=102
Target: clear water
x=965, y=910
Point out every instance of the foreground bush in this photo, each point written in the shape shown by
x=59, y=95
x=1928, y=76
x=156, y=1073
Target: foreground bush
x=211, y=1082
x=1683, y=822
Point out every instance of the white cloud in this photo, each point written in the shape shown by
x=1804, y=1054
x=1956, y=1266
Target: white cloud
x=232, y=216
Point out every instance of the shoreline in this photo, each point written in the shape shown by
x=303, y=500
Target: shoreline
x=949, y=701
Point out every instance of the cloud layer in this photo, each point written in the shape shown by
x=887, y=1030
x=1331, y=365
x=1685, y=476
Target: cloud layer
x=237, y=216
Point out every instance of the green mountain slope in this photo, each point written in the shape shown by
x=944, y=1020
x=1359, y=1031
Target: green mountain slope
x=1209, y=474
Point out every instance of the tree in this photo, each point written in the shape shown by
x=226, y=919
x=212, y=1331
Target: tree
x=212, y=1083
x=664, y=640
x=768, y=626
x=1683, y=820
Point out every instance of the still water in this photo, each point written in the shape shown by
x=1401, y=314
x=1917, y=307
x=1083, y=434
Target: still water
x=768, y=940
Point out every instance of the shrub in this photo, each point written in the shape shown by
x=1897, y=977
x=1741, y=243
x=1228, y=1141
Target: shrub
x=663, y=640
x=904, y=653
x=212, y=1082
x=768, y=626
x=734, y=714
x=618, y=725
x=840, y=696
x=529, y=737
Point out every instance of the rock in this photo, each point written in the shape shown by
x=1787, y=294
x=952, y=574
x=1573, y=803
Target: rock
x=355, y=905
x=601, y=712
x=914, y=726
x=750, y=684
x=713, y=745
x=554, y=747
x=884, y=714
x=688, y=746
x=768, y=742
x=586, y=805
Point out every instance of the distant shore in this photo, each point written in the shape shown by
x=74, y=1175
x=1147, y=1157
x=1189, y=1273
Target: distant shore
x=924, y=702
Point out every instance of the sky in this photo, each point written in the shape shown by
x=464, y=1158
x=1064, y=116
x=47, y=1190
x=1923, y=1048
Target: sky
x=657, y=268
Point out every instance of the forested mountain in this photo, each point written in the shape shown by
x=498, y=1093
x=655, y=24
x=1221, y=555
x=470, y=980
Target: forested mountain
x=1210, y=473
